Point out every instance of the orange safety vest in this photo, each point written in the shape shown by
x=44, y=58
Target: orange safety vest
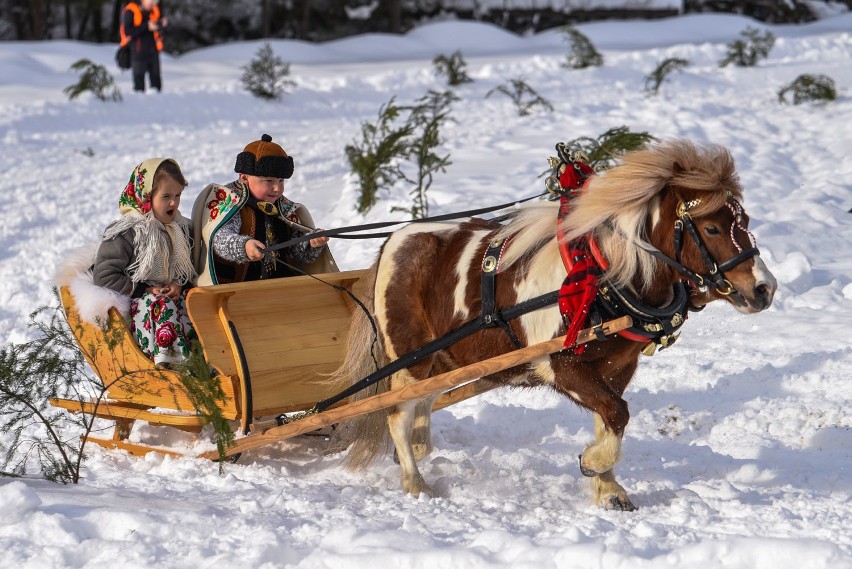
x=137, y=21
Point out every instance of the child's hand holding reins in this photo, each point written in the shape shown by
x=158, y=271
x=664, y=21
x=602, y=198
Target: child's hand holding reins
x=318, y=241
x=255, y=249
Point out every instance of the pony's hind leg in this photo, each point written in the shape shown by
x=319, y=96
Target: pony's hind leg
x=401, y=426
x=598, y=461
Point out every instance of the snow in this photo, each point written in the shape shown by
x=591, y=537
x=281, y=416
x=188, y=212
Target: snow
x=739, y=448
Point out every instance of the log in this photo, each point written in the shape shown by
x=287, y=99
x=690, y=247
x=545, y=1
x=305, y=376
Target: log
x=417, y=390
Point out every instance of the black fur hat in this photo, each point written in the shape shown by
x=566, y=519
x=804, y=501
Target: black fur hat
x=264, y=158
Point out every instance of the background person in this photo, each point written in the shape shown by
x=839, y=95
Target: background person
x=141, y=27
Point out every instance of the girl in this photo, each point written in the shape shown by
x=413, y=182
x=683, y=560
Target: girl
x=146, y=255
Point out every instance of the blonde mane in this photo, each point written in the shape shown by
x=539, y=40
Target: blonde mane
x=620, y=202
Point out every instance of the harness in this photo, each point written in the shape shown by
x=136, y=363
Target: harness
x=581, y=298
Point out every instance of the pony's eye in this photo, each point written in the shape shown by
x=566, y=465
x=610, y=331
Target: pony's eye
x=711, y=230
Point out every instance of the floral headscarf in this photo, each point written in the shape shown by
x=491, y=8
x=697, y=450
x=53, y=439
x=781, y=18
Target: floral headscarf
x=136, y=196
x=153, y=248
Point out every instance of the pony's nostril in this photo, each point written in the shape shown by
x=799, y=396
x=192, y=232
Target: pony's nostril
x=763, y=293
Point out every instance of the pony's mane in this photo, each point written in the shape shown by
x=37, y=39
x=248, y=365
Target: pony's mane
x=528, y=227
x=622, y=200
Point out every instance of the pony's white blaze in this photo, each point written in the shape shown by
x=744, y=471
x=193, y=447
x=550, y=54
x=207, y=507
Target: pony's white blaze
x=762, y=278
x=468, y=256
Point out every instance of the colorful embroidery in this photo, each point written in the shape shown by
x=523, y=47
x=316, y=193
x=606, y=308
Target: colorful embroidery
x=222, y=201
x=161, y=327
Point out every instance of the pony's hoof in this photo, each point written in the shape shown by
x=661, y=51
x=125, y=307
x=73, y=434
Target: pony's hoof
x=618, y=503
x=417, y=488
x=586, y=471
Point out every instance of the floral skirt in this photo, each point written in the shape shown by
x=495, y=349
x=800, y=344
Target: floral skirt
x=161, y=327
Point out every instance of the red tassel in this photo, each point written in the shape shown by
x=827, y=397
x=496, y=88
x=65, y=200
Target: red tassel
x=576, y=295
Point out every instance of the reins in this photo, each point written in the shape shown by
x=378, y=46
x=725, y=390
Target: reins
x=340, y=232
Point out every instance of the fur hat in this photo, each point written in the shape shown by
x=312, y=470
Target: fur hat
x=264, y=158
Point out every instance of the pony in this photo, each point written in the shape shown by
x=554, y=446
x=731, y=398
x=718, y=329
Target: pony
x=426, y=282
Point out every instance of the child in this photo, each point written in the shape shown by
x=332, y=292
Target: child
x=235, y=224
x=147, y=255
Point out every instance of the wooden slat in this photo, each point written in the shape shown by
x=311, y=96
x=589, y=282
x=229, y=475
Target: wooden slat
x=117, y=410
x=204, y=313
x=133, y=448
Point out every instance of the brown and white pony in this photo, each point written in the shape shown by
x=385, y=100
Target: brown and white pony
x=426, y=282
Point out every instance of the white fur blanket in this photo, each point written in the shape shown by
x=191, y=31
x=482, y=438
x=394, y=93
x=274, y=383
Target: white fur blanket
x=93, y=302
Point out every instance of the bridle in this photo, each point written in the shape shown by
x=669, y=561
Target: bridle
x=714, y=278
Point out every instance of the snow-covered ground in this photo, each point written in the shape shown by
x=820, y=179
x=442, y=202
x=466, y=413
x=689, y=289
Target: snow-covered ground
x=739, y=449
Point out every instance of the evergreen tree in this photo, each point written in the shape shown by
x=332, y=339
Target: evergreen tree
x=663, y=70
x=583, y=53
x=805, y=88
x=526, y=98
x=603, y=151
x=265, y=76
x=746, y=52
x=453, y=68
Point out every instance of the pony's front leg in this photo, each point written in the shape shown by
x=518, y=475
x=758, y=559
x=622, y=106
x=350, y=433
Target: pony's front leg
x=401, y=427
x=598, y=461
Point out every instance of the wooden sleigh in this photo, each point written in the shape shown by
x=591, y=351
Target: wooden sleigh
x=272, y=345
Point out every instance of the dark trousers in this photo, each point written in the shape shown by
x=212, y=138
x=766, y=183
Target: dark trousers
x=149, y=64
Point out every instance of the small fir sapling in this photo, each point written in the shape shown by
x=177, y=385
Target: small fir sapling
x=265, y=76
x=95, y=79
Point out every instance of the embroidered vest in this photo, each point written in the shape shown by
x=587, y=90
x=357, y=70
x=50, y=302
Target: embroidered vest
x=253, y=224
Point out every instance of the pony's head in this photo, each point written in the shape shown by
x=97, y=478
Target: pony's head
x=670, y=188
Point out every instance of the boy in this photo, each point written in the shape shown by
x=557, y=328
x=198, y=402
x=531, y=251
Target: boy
x=236, y=223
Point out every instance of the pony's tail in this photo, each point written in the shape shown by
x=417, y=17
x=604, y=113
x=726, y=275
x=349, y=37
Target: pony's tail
x=367, y=436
